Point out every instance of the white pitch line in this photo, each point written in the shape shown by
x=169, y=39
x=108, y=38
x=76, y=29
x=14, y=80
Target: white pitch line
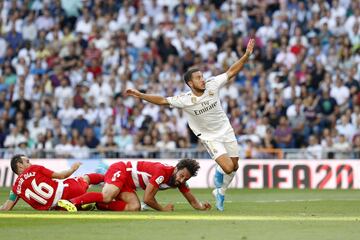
x=279, y=200
x=176, y=217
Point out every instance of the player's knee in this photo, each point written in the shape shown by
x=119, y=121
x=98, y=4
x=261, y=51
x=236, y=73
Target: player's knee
x=86, y=178
x=107, y=197
x=228, y=169
x=236, y=167
x=134, y=206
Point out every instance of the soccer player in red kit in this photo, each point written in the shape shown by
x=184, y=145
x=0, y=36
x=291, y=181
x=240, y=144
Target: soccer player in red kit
x=42, y=188
x=122, y=179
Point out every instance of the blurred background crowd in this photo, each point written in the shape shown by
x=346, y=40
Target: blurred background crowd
x=65, y=65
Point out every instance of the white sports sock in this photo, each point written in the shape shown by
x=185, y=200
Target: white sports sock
x=227, y=180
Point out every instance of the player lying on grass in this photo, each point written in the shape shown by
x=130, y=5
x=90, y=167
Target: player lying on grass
x=122, y=179
x=42, y=188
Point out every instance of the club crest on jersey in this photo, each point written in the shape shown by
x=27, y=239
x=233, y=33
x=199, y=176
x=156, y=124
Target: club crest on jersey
x=159, y=180
x=211, y=93
x=193, y=99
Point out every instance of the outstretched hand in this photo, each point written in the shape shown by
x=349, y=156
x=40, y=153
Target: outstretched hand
x=169, y=208
x=205, y=206
x=76, y=166
x=132, y=92
x=250, y=46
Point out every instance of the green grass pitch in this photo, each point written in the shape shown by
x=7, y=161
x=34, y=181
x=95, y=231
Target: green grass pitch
x=249, y=215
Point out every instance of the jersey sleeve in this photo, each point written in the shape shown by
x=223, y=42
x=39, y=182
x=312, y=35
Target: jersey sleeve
x=219, y=80
x=46, y=172
x=184, y=188
x=176, y=101
x=157, y=178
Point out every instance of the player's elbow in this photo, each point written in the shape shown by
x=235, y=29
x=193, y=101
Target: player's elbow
x=164, y=102
x=148, y=200
x=229, y=73
x=107, y=197
x=58, y=176
x=64, y=175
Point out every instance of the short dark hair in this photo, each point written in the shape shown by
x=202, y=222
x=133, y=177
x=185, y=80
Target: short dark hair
x=188, y=74
x=190, y=164
x=15, y=160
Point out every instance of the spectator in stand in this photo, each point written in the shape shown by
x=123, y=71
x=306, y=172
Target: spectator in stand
x=283, y=134
x=356, y=146
x=314, y=150
x=125, y=140
x=327, y=110
x=90, y=139
x=80, y=123
x=342, y=147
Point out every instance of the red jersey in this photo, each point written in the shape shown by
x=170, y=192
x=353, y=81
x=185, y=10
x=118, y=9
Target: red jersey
x=158, y=174
x=36, y=187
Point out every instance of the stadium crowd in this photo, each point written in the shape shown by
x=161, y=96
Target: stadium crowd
x=65, y=65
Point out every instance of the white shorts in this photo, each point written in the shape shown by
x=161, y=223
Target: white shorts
x=216, y=149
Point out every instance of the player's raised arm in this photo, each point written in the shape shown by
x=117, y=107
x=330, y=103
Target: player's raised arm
x=196, y=204
x=66, y=173
x=238, y=65
x=149, y=199
x=159, y=100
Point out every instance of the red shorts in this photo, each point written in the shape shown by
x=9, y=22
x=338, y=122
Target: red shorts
x=118, y=176
x=76, y=187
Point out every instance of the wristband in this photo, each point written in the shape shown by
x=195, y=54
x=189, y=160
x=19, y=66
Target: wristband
x=12, y=196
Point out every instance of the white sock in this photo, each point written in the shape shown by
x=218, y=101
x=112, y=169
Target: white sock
x=227, y=180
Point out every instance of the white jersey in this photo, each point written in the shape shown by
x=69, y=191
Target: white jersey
x=205, y=115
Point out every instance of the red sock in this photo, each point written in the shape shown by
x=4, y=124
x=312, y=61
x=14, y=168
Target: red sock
x=89, y=197
x=95, y=178
x=112, y=206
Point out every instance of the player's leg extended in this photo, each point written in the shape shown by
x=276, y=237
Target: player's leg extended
x=114, y=180
x=226, y=164
x=219, y=153
x=220, y=178
x=233, y=151
x=229, y=177
x=75, y=189
x=126, y=201
x=109, y=192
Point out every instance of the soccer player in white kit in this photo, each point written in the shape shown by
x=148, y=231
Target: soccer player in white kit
x=208, y=120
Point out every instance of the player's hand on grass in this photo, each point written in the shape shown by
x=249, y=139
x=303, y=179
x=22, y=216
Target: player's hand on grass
x=75, y=166
x=169, y=208
x=205, y=206
x=250, y=46
x=132, y=92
